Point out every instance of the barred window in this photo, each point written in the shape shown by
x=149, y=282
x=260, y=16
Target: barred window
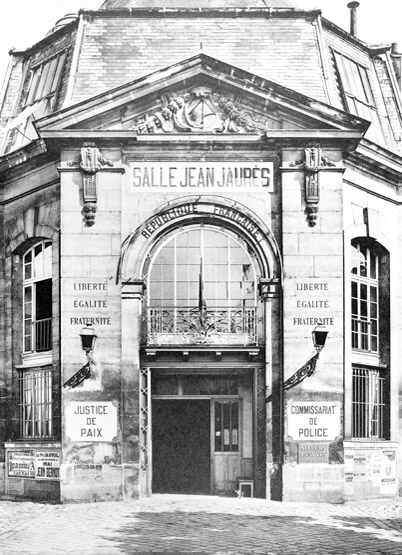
x=36, y=403
x=368, y=403
x=38, y=298
x=365, y=292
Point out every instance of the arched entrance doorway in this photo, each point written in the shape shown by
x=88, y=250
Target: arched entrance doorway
x=203, y=354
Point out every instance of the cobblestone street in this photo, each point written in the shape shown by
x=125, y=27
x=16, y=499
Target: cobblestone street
x=197, y=524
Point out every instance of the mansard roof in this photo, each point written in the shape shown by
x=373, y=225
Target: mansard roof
x=201, y=96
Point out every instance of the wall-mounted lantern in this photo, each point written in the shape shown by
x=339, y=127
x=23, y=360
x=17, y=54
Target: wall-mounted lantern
x=319, y=335
x=88, y=339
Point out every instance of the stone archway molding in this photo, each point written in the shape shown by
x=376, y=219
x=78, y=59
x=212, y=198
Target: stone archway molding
x=190, y=210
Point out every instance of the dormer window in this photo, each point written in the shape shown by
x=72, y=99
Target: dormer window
x=40, y=101
x=358, y=94
x=45, y=79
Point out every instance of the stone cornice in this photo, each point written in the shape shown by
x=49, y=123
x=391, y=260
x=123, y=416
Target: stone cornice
x=161, y=12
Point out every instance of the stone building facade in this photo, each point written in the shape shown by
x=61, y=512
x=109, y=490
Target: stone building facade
x=187, y=194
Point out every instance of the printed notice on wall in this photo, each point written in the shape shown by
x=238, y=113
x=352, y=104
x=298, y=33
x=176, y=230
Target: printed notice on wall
x=37, y=464
x=318, y=421
x=91, y=421
x=48, y=465
x=375, y=467
x=21, y=464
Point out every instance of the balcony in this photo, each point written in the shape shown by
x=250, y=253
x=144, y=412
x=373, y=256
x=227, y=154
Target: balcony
x=38, y=337
x=205, y=326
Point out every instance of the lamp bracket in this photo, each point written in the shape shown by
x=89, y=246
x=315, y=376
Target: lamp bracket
x=302, y=373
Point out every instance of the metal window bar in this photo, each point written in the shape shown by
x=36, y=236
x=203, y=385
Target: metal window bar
x=42, y=335
x=36, y=404
x=368, y=403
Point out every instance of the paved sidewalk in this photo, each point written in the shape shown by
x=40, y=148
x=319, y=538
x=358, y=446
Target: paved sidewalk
x=199, y=524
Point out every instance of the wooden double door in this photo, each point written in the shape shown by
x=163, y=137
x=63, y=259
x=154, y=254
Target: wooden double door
x=196, y=445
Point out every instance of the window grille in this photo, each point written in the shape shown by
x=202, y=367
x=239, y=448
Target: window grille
x=36, y=404
x=368, y=403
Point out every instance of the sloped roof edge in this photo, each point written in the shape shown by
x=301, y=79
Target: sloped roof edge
x=199, y=63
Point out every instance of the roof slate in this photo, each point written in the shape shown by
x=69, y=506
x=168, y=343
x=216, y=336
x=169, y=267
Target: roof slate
x=116, y=50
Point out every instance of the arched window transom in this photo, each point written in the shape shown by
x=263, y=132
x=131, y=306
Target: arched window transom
x=202, y=288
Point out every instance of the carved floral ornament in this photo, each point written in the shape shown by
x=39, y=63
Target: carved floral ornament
x=200, y=110
x=312, y=162
x=90, y=162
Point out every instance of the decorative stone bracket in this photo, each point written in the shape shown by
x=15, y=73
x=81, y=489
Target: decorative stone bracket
x=312, y=161
x=90, y=162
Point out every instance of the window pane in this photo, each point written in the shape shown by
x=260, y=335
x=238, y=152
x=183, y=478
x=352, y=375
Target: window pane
x=47, y=262
x=45, y=72
x=43, y=300
x=354, y=259
x=363, y=261
x=373, y=265
x=58, y=72
x=48, y=80
x=33, y=86
x=38, y=261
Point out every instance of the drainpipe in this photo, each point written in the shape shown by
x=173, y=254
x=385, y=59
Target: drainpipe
x=353, y=18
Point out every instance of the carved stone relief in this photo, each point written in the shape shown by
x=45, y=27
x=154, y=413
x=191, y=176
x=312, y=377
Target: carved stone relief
x=200, y=110
x=312, y=161
x=90, y=162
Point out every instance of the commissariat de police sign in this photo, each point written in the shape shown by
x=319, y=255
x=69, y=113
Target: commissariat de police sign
x=314, y=421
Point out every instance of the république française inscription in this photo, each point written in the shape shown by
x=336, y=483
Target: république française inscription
x=189, y=209
x=86, y=299
x=313, y=295
x=211, y=176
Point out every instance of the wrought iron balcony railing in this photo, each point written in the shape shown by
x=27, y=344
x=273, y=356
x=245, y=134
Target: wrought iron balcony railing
x=193, y=325
x=42, y=335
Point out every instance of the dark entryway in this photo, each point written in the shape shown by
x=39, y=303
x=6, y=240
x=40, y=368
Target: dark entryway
x=181, y=446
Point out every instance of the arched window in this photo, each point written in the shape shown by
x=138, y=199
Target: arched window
x=365, y=273
x=370, y=327
x=37, y=285
x=202, y=288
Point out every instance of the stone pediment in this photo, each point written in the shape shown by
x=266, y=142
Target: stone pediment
x=200, y=95
x=201, y=110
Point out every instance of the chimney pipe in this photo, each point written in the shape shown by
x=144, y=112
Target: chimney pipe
x=353, y=19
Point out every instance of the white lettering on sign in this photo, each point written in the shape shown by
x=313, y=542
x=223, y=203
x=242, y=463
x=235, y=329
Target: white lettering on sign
x=206, y=176
x=91, y=421
x=318, y=421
